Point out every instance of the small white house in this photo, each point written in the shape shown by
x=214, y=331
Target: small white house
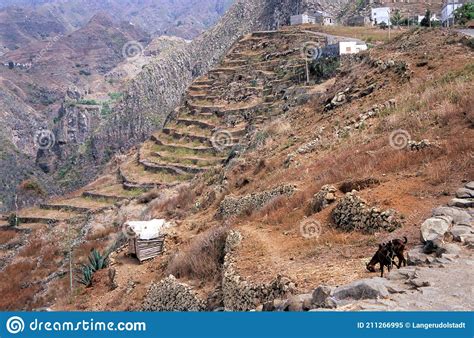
x=301, y=19
x=351, y=47
x=379, y=15
x=324, y=18
x=447, y=13
x=338, y=48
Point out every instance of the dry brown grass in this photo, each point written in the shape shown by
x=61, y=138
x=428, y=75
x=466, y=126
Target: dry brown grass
x=6, y=236
x=17, y=293
x=202, y=258
x=177, y=205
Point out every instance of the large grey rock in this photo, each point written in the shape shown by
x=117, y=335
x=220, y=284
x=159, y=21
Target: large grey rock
x=464, y=193
x=451, y=249
x=417, y=257
x=435, y=227
x=461, y=232
x=362, y=289
x=296, y=303
x=470, y=185
x=459, y=216
x=321, y=297
x=462, y=202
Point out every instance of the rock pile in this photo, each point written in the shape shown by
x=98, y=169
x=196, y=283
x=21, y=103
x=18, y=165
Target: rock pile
x=170, y=295
x=417, y=146
x=323, y=198
x=232, y=205
x=353, y=214
x=447, y=223
x=241, y=295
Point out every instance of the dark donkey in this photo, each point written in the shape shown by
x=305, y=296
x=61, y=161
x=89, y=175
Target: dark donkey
x=386, y=253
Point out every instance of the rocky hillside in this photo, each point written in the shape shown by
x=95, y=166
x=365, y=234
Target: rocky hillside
x=274, y=186
x=158, y=89
x=183, y=18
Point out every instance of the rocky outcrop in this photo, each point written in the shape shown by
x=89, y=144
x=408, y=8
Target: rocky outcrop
x=170, y=295
x=353, y=214
x=241, y=295
x=435, y=228
x=233, y=205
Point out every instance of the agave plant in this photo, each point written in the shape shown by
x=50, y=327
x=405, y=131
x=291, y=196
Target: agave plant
x=84, y=275
x=97, y=261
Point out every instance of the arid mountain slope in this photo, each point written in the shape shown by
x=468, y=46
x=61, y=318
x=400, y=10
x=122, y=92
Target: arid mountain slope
x=184, y=18
x=362, y=130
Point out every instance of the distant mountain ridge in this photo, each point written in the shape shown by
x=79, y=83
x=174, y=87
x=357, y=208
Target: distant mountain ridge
x=182, y=18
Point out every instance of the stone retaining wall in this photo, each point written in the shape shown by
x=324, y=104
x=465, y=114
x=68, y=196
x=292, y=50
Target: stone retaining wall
x=352, y=213
x=241, y=295
x=233, y=205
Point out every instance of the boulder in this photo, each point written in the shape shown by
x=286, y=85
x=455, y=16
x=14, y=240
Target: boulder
x=462, y=202
x=451, y=249
x=363, y=289
x=417, y=257
x=321, y=297
x=459, y=216
x=435, y=227
x=470, y=185
x=464, y=193
x=296, y=303
x=460, y=232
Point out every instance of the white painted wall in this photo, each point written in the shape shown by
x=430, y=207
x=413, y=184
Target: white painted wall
x=379, y=15
x=301, y=19
x=351, y=47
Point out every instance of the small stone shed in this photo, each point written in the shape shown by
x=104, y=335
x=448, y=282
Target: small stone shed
x=147, y=238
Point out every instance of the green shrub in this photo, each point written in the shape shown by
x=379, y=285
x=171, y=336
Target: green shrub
x=84, y=275
x=97, y=261
x=13, y=220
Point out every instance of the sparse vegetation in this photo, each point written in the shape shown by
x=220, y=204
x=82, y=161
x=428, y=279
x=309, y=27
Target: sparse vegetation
x=97, y=261
x=202, y=257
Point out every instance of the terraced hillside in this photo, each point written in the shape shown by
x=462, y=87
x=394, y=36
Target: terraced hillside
x=220, y=108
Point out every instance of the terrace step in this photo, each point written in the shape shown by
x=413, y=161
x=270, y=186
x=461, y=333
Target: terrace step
x=175, y=168
x=78, y=204
x=43, y=216
x=170, y=157
x=194, y=122
x=134, y=176
x=177, y=146
x=112, y=194
x=186, y=135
